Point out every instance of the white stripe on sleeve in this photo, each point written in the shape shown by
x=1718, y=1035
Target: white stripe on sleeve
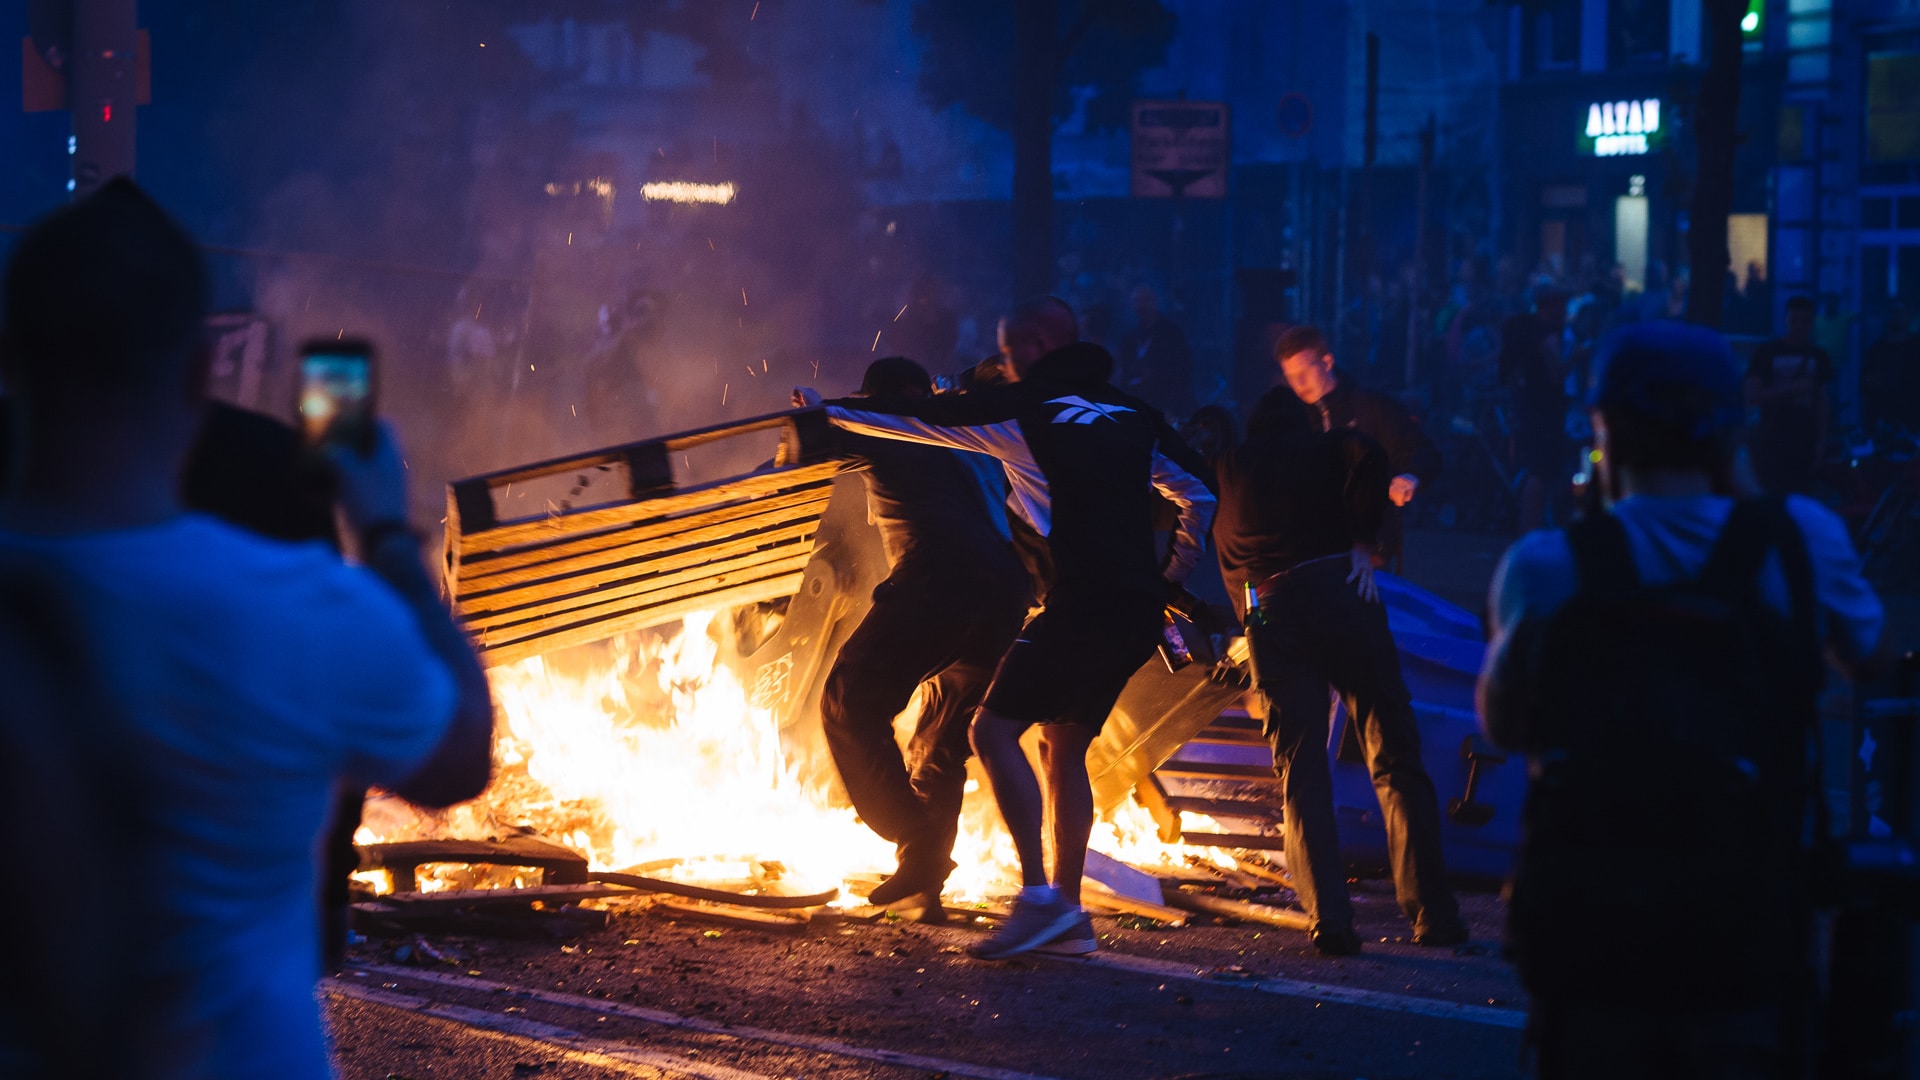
x=1196, y=504
x=1004, y=441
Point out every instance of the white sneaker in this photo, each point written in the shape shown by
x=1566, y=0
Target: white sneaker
x=1030, y=926
x=1078, y=941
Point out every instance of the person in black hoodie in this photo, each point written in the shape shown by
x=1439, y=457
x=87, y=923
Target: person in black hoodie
x=952, y=603
x=1084, y=461
x=1300, y=512
x=1412, y=458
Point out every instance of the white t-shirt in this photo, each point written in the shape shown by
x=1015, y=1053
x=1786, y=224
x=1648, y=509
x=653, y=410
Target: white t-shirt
x=254, y=676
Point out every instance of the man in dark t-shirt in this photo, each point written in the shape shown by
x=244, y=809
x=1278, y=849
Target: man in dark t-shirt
x=1306, y=363
x=1300, y=513
x=953, y=601
x=1787, y=390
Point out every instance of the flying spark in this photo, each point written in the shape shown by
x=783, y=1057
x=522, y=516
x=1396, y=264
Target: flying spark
x=876, y=342
x=756, y=11
x=723, y=392
x=816, y=371
x=743, y=297
x=897, y=314
x=763, y=364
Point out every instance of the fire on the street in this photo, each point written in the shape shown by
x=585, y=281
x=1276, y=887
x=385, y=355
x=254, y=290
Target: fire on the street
x=650, y=753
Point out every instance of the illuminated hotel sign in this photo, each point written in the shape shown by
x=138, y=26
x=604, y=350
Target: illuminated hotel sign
x=1623, y=128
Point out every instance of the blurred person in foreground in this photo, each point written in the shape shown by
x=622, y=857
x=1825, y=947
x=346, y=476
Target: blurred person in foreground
x=1300, y=516
x=63, y=769
x=1083, y=461
x=1659, y=662
x=1789, y=383
x=252, y=677
x=954, y=598
x=1306, y=362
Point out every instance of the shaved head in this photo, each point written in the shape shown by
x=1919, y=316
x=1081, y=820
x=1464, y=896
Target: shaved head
x=1033, y=329
x=1047, y=317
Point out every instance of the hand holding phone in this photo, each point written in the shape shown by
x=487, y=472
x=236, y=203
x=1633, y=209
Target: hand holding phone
x=337, y=395
x=372, y=486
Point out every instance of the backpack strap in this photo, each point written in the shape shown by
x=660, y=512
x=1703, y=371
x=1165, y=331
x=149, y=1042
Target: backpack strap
x=1602, y=557
x=1748, y=537
x=1756, y=528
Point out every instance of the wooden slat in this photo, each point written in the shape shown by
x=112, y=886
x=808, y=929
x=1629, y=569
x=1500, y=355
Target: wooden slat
x=597, y=574
x=739, y=489
x=1234, y=840
x=480, y=572
x=515, y=649
x=520, y=897
x=1240, y=909
x=1127, y=905
x=1224, y=807
x=615, y=455
x=1196, y=770
x=694, y=580
x=693, y=590
x=1219, y=736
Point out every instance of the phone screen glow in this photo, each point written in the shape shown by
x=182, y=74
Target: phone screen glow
x=334, y=391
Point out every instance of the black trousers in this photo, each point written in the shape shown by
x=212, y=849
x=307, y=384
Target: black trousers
x=927, y=624
x=1321, y=633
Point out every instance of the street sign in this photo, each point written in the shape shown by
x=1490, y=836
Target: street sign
x=1180, y=149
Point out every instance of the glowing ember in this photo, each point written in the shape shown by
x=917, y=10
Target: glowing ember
x=648, y=751
x=683, y=191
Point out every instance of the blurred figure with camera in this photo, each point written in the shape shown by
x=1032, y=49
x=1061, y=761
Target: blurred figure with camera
x=1659, y=662
x=247, y=678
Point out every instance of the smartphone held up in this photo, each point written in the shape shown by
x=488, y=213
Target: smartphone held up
x=337, y=395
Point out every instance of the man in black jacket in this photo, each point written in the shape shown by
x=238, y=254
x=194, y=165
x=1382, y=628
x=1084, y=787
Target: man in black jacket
x=1083, y=460
x=952, y=603
x=1412, y=458
x=1300, y=511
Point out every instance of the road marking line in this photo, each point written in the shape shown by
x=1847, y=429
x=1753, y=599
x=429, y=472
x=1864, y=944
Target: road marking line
x=604, y=1053
x=695, y=1023
x=1487, y=1015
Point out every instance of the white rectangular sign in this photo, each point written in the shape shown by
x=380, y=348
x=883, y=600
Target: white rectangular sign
x=1180, y=149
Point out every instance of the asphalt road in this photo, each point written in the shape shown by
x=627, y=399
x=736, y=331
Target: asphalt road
x=656, y=996
x=660, y=996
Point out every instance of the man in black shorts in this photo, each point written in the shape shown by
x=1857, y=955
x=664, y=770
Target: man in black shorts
x=1083, y=460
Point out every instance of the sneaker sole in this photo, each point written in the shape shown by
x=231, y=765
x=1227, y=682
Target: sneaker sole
x=1052, y=931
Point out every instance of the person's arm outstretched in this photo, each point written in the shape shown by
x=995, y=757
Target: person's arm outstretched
x=373, y=497
x=1185, y=480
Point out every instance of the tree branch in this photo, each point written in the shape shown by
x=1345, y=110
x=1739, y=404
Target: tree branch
x=1090, y=14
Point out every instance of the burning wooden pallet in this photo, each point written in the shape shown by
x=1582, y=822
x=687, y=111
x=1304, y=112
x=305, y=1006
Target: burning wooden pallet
x=650, y=553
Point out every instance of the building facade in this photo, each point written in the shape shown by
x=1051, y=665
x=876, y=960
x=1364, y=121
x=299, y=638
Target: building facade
x=1827, y=199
